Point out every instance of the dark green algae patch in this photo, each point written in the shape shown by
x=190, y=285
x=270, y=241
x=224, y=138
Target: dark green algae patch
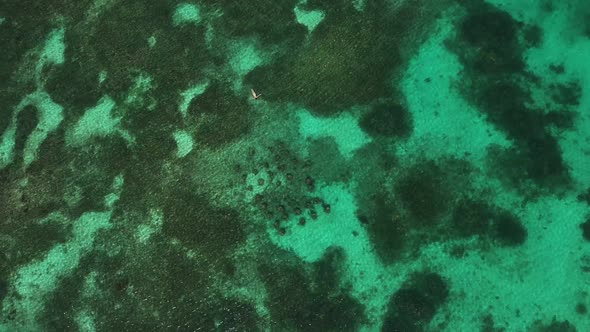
x=174, y=295
x=488, y=45
x=177, y=290
x=349, y=59
x=311, y=297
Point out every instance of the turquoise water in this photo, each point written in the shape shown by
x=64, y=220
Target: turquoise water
x=408, y=166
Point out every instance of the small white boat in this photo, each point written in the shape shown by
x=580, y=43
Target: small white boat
x=254, y=94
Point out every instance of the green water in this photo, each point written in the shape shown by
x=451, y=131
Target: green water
x=410, y=165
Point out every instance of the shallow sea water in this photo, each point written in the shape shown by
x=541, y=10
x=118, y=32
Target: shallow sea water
x=400, y=165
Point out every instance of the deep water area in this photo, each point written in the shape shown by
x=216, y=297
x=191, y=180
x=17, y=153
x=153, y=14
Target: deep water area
x=297, y=165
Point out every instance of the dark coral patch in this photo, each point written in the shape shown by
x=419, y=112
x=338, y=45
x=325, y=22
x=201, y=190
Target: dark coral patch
x=412, y=305
x=388, y=120
x=422, y=192
x=561, y=119
x=58, y=312
x=270, y=21
x=545, y=161
x=415, y=304
x=488, y=46
x=493, y=35
x=509, y=230
x=585, y=227
x=488, y=325
x=120, y=45
x=533, y=35
x=538, y=152
x=227, y=116
x=24, y=26
x=295, y=304
x=472, y=217
x=504, y=104
x=489, y=29
x=75, y=83
x=120, y=40
x=236, y=315
x=475, y=217
x=291, y=182
x=553, y=326
x=166, y=281
x=328, y=270
x=3, y=290
x=567, y=94
x=348, y=61
x=26, y=121
x=585, y=196
x=387, y=232
x=328, y=162
x=190, y=218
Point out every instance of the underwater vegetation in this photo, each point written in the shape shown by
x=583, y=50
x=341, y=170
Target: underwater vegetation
x=585, y=227
x=202, y=241
x=311, y=300
x=287, y=187
x=387, y=120
x=478, y=218
x=488, y=46
x=226, y=116
x=415, y=304
x=348, y=60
